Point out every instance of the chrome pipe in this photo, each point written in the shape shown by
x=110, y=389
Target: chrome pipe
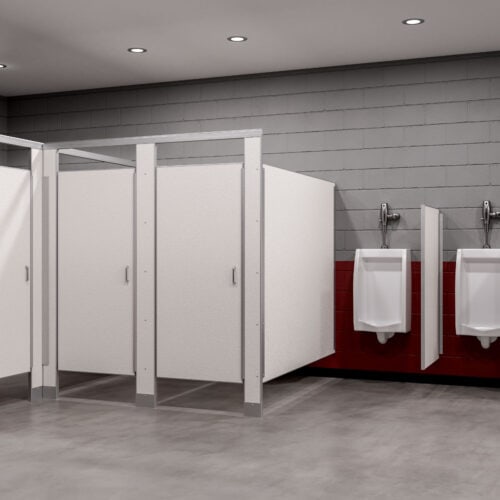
x=384, y=218
x=487, y=215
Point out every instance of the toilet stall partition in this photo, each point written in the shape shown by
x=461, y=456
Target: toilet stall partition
x=226, y=273
x=299, y=282
x=21, y=303
x=77, y=342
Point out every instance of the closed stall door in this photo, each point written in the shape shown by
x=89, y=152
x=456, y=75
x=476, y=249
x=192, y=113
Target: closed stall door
x=15, y=290
x=199, y=272
x=96, y=299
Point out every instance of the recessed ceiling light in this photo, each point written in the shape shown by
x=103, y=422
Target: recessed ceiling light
x=3, y=66
x=137, y=50
x=413, y=21
x=237, y=38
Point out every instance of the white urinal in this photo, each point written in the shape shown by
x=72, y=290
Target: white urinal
x=477, y=294
x=382, y=292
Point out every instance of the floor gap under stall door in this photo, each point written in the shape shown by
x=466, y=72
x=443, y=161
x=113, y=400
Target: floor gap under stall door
x=227, y=399
x=14, y=390
x=95, y=387
x=200, y=396
x=190, y=395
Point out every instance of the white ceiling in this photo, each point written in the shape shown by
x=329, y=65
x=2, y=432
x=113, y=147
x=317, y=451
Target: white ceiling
x=59, y=45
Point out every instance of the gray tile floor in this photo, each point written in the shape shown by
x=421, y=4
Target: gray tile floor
x=321, y=439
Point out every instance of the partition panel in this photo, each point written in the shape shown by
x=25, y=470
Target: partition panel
x=299, y=270
x=431, y=285
x=96, y=294
x=15, y=270
x=199, y=272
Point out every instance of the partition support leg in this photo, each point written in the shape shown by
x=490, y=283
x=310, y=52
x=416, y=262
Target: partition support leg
x=253, y=318
x=145, y=275
x=36, y=376
x=49, y=333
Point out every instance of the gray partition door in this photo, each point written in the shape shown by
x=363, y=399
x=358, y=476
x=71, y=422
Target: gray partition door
x=15, y=255
x=96, y=295
x=199, y=272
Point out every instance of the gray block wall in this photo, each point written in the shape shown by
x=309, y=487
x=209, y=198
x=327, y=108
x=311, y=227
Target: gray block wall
x=406, y=133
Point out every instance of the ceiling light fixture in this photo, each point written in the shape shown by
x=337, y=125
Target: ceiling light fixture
x=413, y=21
x=237, y=38
x=137, y=50
x=3, y=66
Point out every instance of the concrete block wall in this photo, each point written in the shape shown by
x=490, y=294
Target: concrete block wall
x=405, y=133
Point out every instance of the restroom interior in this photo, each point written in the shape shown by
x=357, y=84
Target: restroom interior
x=410, y=132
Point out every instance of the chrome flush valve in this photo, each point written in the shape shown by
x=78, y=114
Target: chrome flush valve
x=384, y=219
x=487, y=215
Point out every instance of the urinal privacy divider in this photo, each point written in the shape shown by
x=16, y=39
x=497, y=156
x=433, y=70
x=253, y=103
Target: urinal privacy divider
x=431, y=332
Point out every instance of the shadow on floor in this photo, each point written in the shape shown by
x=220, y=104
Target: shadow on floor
x=189, y=395
x=13, y=389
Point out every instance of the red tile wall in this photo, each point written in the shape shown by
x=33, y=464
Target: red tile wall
x=463, y=355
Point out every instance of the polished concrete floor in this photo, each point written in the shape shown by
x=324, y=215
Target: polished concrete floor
x=321, y=439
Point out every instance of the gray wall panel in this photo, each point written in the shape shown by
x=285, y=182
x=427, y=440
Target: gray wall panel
x=406, y=133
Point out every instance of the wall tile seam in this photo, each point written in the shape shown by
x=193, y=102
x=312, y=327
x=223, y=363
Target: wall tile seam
x=263, y=96
x=402, y=188
x=231, y=156
x=401, y=167
x=319, y=130
x=411, y=186
x=347, y=89
x=281, y=92
x=325, y=149
x=268, y=154
x=347, y=229
x=412, y=212
x=390, y=230
x=324, y=109
x=383, y=148
x=375, y=229
x=204, y=122
x=383, y=84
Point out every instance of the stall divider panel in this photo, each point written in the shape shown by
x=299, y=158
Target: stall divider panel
x=15, y=270
x=96, y=257
x=199, y=272
x=299, y=270
x=431, y=286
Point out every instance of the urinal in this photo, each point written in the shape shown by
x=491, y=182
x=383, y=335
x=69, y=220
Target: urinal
x=382, y=292
x=477, y=294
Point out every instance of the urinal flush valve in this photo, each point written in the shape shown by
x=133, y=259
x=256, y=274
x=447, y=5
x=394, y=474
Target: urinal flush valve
x=384, y=219
x=487, y=216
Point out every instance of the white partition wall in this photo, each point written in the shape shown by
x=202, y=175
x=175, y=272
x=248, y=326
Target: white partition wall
x=15, y=271
x=96, y=262
x=234, y=268
x=199, y=272
x=431, y=335
x=21, y=300
x=299, y=270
